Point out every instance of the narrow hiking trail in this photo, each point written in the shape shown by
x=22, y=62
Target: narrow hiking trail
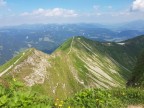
x=71, y=46
x=11, y=66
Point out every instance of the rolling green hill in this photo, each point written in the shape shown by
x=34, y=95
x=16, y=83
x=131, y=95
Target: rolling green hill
x=77, y=64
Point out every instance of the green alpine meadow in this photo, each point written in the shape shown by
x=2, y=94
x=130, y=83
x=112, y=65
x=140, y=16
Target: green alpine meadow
x=80, y=73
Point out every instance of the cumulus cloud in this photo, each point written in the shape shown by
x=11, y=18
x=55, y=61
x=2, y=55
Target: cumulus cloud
x=2, y=3
x=138, y=5
x=56, y=12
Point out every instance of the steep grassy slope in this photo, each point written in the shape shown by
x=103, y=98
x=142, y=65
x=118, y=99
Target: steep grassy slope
x=14, y=61
x=126, y=52
x=77, y=64
x=137, y=79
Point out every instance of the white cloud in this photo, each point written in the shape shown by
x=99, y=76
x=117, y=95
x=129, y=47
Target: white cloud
x=110, y=7
x=138, y=5
x=2, y=3
x=56, y=12
x=96, y=7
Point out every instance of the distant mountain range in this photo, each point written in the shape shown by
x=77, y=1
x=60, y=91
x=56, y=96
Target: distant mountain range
x=76, y=64
x=133, y=25
x=47, y=37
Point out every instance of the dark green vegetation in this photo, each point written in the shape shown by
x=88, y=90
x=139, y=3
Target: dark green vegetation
x=115, y=98
x=14, y=96
x=80, y=64
x=137, y=79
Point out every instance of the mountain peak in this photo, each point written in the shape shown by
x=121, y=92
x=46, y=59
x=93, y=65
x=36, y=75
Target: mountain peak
x=76, y=42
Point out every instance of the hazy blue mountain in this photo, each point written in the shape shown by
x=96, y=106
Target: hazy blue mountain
x=47, y=37
x=133, y=25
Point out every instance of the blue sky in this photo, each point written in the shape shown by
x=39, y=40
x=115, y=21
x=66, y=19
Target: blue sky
x=15, y=12
x=28, y=5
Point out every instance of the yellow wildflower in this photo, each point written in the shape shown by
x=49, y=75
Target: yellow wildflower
x=60, y=105
x=14, y=79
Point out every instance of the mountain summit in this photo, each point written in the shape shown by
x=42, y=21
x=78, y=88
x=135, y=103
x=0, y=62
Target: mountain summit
x=77, y=64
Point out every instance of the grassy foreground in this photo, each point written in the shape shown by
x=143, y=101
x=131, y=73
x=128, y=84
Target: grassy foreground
x=15, y=96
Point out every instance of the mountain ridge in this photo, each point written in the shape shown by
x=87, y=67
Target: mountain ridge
x=77, y=64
